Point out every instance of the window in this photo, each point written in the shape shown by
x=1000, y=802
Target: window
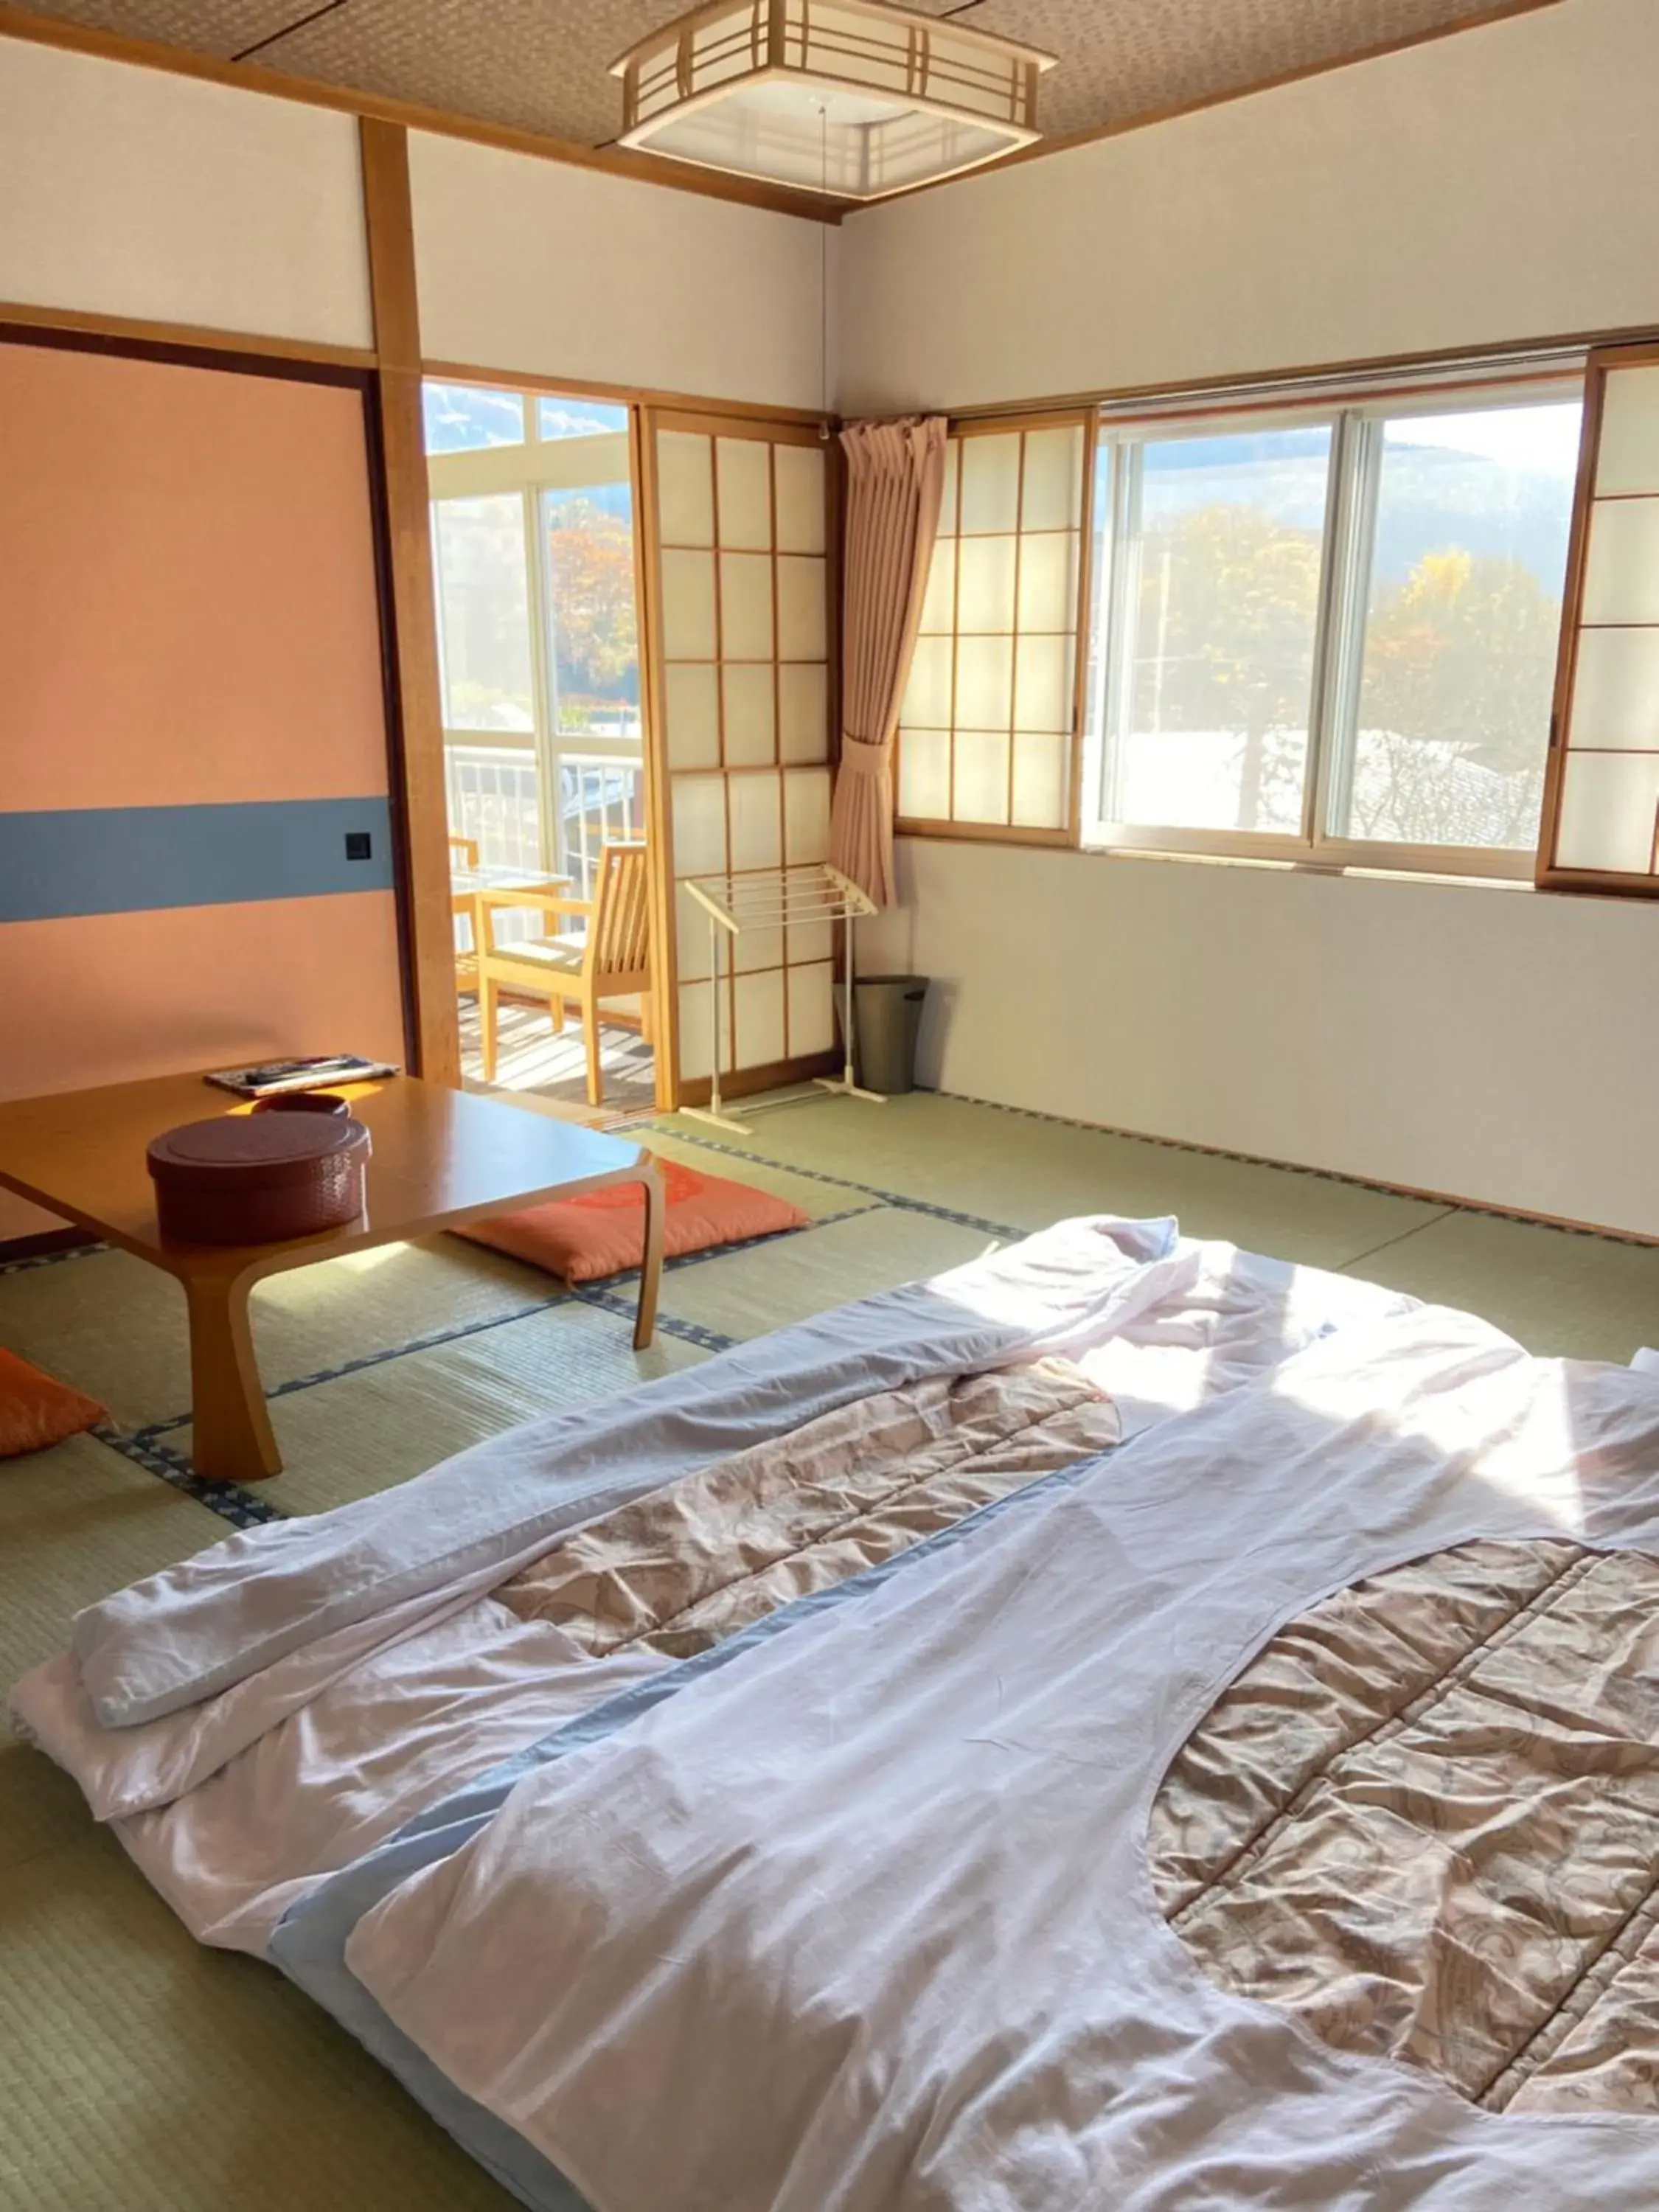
x=1603, y=831
x=533, y=546
x=1331, y=633
x=987, y=729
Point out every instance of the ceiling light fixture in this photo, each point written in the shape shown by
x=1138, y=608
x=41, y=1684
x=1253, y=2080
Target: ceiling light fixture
x=852, y=98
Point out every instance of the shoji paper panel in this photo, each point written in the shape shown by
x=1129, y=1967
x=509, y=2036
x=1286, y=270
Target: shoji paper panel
x=989, y=724
x=742, y=532
x=1605, y=767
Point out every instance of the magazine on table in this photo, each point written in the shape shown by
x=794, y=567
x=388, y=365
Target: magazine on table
x=268, y=1076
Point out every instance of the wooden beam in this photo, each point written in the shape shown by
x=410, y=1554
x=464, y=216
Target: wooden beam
x=420, y=807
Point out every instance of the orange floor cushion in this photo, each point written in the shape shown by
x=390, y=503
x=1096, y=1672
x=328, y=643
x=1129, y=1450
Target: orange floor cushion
x=35, y=1411
x=603, y=1233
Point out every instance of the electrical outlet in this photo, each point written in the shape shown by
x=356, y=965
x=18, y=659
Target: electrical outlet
x=359, y=845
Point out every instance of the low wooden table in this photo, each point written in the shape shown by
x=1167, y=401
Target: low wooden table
x=441, y=1159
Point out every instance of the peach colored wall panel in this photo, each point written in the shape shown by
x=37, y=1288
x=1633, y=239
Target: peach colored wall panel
x=187, y=594
x=196, y=986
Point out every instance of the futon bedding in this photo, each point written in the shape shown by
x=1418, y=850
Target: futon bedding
x=868, y=1919
x=1425, y=1821
x=881, y=1634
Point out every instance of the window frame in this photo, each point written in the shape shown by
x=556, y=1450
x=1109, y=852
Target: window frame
x=1063, y=835
x=1356, y=421
x=525, y=470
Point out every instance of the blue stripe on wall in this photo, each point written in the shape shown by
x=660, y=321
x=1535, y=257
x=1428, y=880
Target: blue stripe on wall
x=130, y=860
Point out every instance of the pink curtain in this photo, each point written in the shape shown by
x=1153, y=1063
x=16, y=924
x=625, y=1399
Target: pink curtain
x=895, y=481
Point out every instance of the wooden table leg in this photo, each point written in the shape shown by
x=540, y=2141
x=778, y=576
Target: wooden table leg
x=234, y=1441
x=644, y=1324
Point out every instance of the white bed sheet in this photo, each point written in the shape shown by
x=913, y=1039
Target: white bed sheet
x=233, y=1806
x=864, y=1918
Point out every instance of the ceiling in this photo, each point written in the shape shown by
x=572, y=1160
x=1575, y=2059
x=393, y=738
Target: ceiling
x=543, y=65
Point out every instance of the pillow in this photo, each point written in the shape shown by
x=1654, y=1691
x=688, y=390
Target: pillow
x=35, y=1411
x=603, y=1233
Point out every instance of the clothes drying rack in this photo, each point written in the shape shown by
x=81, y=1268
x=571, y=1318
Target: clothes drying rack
x=778, y=898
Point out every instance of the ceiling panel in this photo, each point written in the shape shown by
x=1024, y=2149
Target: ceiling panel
x=219, y=27
x=1122, y=59
x=543, y=65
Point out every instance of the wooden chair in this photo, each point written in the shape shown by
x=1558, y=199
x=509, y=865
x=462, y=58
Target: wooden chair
x=464, y=852
x=613, y=960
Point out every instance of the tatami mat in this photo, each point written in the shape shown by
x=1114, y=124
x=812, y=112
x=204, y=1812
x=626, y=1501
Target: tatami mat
x=1016, y=1169
x=1585, y=1298
x=769, y=1286
x=363, y=1432
x=141, y=2074
x=76, y=1522
x=115, y=1326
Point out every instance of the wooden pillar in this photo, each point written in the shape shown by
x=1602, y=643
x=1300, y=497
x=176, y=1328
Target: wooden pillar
x=418, y=797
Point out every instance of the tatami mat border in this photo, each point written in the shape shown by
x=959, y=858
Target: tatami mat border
x=243, y=1507
x=974, y=1221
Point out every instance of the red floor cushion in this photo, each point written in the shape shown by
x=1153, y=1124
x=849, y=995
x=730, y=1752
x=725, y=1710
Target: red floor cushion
x=35, y=1411
x=603, y=1233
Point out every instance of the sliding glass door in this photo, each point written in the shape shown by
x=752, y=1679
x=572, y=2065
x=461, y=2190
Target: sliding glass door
x=533, y=538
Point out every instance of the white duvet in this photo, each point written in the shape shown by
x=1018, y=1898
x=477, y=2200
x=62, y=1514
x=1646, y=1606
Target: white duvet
x=267, y=1711
x=862, y=1921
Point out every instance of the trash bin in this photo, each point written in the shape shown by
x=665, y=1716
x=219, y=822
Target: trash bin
x=886, y=1018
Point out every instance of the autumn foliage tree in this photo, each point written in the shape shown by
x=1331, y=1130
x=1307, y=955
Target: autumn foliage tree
x=590, y=571
x=1459, y=655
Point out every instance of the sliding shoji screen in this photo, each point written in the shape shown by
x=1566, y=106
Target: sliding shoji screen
x=742, y=516
x=1601, y=812
x=988, y=729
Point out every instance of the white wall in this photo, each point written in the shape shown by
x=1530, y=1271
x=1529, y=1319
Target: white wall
x=127, y=191
x=1495, y=186
x=535, y=265
x=130, y=192
x=1487, y=1043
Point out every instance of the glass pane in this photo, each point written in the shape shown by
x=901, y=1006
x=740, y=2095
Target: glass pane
x=593, y=665
x=1209, y=727
x=460, y=418
x=557, y=417
x=483, y=612
x=1463, y=625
